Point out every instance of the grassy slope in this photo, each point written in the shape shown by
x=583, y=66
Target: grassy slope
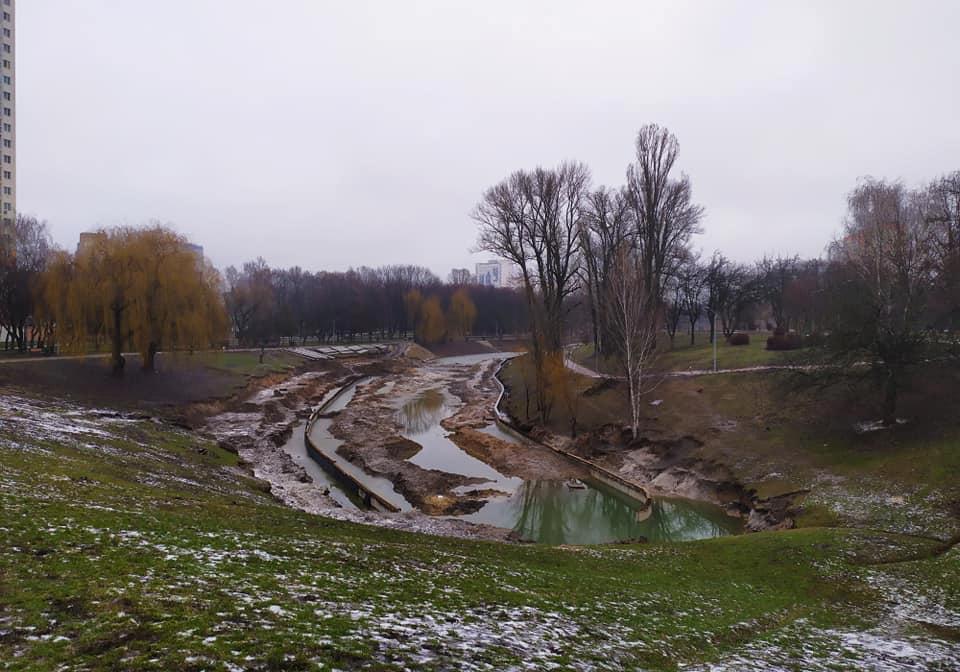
x=135, y=546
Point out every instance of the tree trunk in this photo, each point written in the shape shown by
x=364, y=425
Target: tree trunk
x=150, y=358
x=890, y=400
x=117, y=342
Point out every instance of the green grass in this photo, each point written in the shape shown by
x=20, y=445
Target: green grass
x=142, y=552
x=240, y=362
x=682, y=356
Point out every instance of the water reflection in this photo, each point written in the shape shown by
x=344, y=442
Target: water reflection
x=422, y=412
x=550, y=512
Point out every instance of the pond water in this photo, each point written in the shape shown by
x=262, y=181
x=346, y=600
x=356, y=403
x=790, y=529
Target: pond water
x=420, y=418
x=551, y=511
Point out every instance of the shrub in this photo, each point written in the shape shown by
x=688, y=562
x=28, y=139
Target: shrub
x=739, y=338
x=785, y=342
x=779, y=331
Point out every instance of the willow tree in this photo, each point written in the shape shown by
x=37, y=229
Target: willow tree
x=142, y=287
x=461, y=314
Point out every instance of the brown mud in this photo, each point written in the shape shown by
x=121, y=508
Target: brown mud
x=373, y=441
x=258, y=423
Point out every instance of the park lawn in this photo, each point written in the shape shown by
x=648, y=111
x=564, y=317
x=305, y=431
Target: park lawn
x=134, y=545
x=682, y=356
x=182, y=377
x=242, y=362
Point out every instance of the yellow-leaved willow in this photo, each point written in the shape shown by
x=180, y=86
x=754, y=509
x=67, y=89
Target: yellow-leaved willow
x=141, y=288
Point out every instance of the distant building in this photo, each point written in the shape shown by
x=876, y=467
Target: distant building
x=88, y=240
x=490, y=273
x=8, y=114
x=460, y=276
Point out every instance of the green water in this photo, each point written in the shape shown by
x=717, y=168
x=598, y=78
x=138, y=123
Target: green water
x=549, y=512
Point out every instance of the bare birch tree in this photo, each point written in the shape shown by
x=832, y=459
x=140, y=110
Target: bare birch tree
x=634, y=327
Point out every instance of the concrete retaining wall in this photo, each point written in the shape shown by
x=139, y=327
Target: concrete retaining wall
x=609, y=478
x=369, y=498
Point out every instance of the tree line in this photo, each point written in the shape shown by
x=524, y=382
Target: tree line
x=886, y=296
x=148, y=289
x=268, y=305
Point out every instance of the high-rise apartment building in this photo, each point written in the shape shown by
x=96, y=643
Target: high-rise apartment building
x=8, y=112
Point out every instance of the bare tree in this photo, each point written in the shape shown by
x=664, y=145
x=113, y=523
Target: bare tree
x=774, y=277
x=25, y=249
x=633, y=326
x=603, y=228
x=940, y=202
x=661, y=207
x=691, y=279
x=884, y=270
x=532, y=219
x=459, y=276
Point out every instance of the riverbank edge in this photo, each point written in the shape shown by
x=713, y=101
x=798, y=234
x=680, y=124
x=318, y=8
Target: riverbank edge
x=774, y=513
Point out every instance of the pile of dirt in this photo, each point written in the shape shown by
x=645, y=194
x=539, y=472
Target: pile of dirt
x=418, y=352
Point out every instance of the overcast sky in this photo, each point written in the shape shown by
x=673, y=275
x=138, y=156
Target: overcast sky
x=337, y=134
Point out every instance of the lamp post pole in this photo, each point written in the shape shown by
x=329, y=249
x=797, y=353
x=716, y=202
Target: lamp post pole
x=714, y=342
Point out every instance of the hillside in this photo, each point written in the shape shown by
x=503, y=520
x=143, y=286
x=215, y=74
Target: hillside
x=131, y=544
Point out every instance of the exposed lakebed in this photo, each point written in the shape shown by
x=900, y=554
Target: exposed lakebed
x=546, y=510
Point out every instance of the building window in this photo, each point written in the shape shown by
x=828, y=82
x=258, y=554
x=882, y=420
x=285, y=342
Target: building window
x=7, y=175
x=6, y=142
x=8, y=191
x=6, y=112
x=6, y=95
x=7, y=80
x=6, y=47
x=6, y=63
x=6, y=207
x=7, y=128
x=6, y=16
x=7, y=158
x=6, y=32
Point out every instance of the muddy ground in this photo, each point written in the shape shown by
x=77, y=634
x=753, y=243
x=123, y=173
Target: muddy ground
x=373, y=440
x=258, y=424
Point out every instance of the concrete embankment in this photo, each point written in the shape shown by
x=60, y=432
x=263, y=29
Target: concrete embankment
x=331, y=463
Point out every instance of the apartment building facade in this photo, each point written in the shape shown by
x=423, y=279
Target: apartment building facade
x=8, y=112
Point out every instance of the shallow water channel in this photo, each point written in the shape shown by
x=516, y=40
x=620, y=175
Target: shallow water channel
x=549, y=511
x=327, y=443
x=545, y=511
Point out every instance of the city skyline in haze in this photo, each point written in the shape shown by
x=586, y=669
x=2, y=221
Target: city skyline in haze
x=331, y=136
